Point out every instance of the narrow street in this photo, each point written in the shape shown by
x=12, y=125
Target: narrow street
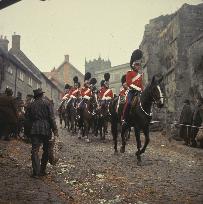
x=91, y=173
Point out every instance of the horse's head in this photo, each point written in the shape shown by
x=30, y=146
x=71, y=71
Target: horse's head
x=155, y=91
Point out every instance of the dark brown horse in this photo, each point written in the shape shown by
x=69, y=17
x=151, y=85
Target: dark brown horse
x=103, y=117
x=86, y=117
x=116, y=110
x=140, y=116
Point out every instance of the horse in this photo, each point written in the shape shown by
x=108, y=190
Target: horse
x=72, y=114
x=140, y=116
x=116, y=110
x=103, y=117
x=87, y=117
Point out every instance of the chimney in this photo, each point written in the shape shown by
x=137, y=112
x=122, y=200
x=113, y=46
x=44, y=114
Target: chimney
x=4, y=43
x=16, y=41
x=66, y=58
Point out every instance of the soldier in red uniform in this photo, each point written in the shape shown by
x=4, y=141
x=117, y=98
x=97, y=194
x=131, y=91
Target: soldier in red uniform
x=74, y=92
x=123, y=92
x=85, y=91
x=105, y=93
x=134, y=82
x=67, y=92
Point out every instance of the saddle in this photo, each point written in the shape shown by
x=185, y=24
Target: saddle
x=134, y=103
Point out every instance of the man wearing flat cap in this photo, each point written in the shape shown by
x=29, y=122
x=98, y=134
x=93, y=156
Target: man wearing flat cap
x=41, y=114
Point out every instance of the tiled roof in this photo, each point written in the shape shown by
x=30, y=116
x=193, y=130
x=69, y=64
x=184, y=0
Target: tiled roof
x=71, y=67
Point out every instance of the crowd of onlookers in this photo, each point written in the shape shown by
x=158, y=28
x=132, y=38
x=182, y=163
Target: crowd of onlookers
x=12, y=114
x=190, y=121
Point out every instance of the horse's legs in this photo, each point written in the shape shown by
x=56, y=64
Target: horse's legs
x=138, y=140
x=114, y=131
x=123, y=131
x=146, y=134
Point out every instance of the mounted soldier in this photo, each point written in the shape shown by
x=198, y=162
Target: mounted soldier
x=72, y=102
x=85, y=91
x=123, y=92
x=134, y=82
x=74, y=92
x=67, y=92
x=105, y=93
x=62, y=107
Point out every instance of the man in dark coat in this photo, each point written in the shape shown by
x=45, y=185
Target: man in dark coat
x=40, y=113
x=197, y=120
x=8, y=114
x=186, y=119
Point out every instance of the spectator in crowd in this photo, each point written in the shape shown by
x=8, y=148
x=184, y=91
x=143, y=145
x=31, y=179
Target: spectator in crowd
x=186, y=122
x=8, y=114
x=40, y=113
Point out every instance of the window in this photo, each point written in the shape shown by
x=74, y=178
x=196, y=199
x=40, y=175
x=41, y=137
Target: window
x=38, y=85
x=10, y=70
x=30, y=81
x=21, y=76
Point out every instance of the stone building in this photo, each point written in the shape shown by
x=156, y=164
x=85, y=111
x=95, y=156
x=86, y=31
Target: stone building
x=64, y=74
x=172, y=46
x=116, y=72
x=20, y=74
x=97, y=65
x=15, y=74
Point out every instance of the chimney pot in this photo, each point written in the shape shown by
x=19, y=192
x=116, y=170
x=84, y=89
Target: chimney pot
x=16, y=41
x=4, y=43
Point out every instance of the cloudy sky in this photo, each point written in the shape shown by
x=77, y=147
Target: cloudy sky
x=81, y=28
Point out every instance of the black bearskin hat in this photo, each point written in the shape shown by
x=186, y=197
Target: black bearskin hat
x=87, y=76
x=75, y=79
x=67, y=86
x=102, y=82
x=93, y=81
x=106, y=76
x=123, y=79
x=136, y=55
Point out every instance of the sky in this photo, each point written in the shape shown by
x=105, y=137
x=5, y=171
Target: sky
x=82, y=29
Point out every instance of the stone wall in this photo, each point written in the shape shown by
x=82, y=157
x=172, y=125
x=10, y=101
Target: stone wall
x=172, y=46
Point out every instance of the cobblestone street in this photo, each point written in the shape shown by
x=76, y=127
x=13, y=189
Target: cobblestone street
x=91, y=173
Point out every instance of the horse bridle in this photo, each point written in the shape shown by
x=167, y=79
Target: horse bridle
x=155, y=101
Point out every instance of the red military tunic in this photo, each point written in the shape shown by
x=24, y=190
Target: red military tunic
x=123, y=92
x=67, y=95
x=101, y=92
x=74, y=92
x=86, y=93
x=105, y=94
x=134, y=80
